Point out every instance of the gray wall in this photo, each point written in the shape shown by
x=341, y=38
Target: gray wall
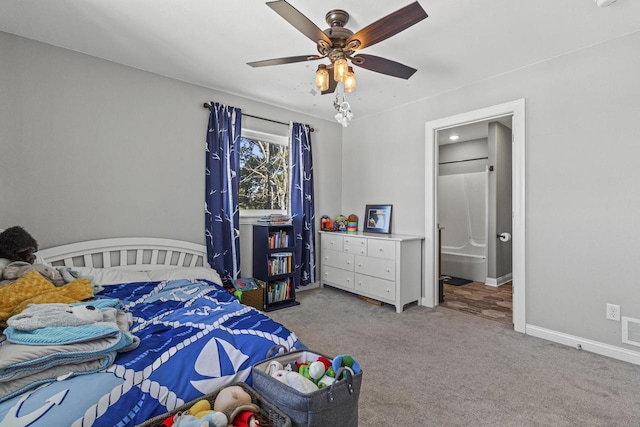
x=582, y=202
x=457, y=157
x=500, y=203
x=92, y=149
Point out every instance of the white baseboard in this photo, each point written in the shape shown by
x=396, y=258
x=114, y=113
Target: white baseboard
x=499, y=281
x=310, y=286
x=614, y=352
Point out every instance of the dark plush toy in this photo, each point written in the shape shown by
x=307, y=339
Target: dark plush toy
x=16, y=244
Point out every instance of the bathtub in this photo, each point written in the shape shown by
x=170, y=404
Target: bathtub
x=463, y=263
x=462, y=216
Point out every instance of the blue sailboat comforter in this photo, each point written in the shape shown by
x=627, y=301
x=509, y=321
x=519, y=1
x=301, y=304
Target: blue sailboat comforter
x=194, y=339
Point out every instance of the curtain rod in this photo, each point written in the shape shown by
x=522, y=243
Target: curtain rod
x=460, y=161
x=207, y=106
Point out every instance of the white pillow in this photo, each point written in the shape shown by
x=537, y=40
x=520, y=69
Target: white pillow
x=185, y=273
x=112, y=276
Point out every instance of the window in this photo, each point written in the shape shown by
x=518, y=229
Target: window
x=264, y=173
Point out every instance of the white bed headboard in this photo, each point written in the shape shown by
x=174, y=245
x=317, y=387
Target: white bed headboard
x=128, y=253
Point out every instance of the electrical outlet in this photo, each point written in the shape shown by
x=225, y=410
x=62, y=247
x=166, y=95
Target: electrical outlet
x=613, y=312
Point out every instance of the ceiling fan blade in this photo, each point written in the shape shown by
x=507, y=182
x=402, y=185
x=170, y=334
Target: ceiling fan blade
x=299, y=21
x=280, y=61
x=389, y=26
x=384, y=66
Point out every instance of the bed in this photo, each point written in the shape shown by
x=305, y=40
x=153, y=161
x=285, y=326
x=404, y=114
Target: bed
x=194, y=337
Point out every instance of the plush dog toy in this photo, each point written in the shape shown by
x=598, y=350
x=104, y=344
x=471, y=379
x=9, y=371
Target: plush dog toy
x=17, y=257
x=16, y=244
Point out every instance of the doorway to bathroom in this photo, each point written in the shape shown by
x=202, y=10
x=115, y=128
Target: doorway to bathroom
x=432, y=260
x=474, y=218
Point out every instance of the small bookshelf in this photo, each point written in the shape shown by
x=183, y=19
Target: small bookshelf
x=274, y=264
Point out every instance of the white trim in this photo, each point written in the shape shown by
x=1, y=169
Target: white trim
x=499, y=281
x=602, y=349
x=263, y=136
x=625, y=330
x=272, y=139
x=517, y=110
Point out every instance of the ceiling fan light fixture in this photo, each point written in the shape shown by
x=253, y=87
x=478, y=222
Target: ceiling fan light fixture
x=340, y=69
x=350, y=81
x=322, y=78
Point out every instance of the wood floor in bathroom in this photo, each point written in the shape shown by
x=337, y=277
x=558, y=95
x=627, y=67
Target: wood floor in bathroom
x=476, y=298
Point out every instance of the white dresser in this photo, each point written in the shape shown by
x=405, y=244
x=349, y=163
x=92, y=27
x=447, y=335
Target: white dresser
x=385, y=267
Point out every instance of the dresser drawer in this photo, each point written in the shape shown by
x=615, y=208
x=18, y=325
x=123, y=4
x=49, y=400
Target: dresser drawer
x=376, y=288
x=337, y=259
x=381, y=249
x=355, y=245
x=382, y=268
x=335, y=276
x=331, y=241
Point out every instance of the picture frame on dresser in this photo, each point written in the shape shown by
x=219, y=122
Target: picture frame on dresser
x=377, y=219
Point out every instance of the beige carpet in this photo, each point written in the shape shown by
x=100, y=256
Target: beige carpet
x=440, y=367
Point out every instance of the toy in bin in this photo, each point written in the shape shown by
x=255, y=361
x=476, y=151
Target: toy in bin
x=309, y=376
x=331, y=386
x=232, y=406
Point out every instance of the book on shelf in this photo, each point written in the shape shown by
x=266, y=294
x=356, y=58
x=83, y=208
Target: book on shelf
x=245, y=284
x=280, y=263
x=278, y=240
x=275, y=219
x=279, y=290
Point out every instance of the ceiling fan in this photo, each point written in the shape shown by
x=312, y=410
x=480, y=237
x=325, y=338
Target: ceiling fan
x=338, y=43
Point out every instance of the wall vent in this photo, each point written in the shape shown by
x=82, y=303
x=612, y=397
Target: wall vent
x=631, y=331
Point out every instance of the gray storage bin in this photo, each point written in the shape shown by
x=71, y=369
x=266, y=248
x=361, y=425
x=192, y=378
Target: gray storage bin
x=335, y=405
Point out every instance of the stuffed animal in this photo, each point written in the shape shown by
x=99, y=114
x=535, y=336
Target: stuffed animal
x=33, y=288
x=17, y=255
x=235, y=402
x=211, y=419
x=37, y=316
x=320, y=372
x=347, y=361
x=295, y=380
x=16, y=269
x=230, y=397
x=340, y=223
x=326, y=223
x=16, y=244
x=246, y=418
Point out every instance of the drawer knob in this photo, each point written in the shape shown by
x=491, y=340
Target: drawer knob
x=348, y=262
x=380, y=249
x=346, y=249
x=388, y=291
x=388, y=270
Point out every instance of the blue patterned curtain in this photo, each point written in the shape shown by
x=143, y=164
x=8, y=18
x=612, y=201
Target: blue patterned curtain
x=222, y=173
x=302, y=210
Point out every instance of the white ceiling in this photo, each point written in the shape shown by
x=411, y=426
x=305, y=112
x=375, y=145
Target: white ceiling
x=209, y=42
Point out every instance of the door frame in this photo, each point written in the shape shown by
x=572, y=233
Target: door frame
x=516, y=109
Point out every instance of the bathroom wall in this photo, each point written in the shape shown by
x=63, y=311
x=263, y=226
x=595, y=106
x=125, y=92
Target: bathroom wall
x=500, y=206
